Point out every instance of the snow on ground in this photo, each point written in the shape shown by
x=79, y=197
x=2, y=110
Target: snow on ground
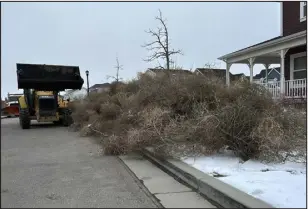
x=281, y=185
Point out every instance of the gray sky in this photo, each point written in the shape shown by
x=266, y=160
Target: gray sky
x=91, y=34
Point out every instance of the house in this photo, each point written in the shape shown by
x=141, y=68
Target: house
x=220, y=73
x=99, y=87
x=160, y=71
x=75, y=94
x=273, y=75
x=289, y=50
x=238, y=76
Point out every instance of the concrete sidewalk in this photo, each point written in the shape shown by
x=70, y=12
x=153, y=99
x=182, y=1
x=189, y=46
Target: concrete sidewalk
x=166, y=189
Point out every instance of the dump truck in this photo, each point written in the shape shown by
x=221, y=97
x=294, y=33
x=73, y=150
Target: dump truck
x=12, y=108
x=41, y=86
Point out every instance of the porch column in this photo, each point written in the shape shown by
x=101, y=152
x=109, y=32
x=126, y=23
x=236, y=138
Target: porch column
x=228, y=66
x=250, y=65
x=266, y=71
x=282, y=79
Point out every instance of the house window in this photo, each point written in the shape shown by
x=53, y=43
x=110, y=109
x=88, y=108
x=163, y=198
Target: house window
x=303, y=11
x=298, y=66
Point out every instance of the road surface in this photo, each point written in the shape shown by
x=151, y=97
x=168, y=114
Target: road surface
x=48, y=166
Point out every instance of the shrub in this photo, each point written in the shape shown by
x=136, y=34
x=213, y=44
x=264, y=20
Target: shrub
x=185, y=114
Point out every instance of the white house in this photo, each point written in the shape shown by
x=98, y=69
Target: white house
x=75, y=94
x=98, y=88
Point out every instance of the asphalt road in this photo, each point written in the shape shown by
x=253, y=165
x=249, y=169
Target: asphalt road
x=49, y=166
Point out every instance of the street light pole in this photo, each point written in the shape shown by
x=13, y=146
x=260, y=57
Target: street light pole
x=87, y=73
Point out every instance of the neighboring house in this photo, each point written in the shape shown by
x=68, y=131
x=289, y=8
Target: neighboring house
x=220, y=73
x=159, y=71
x=289, y=50
x=75, y=94
x=100, y=87
x=238, y=76
x=273, y=75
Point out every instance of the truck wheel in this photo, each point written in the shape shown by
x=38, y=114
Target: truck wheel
x=67, y=118
x=24, y=118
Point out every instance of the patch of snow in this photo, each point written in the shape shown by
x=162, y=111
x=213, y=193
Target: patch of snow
x=281, y=185
x=279, y=188
x=224, y=165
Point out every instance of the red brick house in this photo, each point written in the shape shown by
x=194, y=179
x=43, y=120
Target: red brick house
x=289, y=50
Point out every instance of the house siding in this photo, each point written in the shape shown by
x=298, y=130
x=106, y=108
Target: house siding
x=274, y=74
x=287, y=59
x=291, y=18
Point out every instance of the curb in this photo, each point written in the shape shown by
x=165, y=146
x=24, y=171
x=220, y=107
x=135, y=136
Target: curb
x=216, y=191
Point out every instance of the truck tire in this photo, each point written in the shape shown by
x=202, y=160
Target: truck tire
x=24, y=118
x=67, y=117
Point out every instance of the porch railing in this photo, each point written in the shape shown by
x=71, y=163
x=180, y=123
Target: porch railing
x=293, y=88
x=273, y=88
x=296, y=88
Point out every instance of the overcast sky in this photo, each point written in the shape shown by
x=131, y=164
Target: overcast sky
x=91, y=34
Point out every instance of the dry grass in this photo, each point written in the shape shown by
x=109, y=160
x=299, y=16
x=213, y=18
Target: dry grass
x=185, y=115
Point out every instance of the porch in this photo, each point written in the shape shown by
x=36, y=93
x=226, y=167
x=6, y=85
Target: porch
x=289, y=52
x=293, y=89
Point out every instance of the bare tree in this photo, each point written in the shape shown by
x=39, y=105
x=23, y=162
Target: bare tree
x=160, y=48
x=118, y=67
x=211, y=65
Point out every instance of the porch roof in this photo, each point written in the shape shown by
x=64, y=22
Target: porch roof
x=266, y=52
